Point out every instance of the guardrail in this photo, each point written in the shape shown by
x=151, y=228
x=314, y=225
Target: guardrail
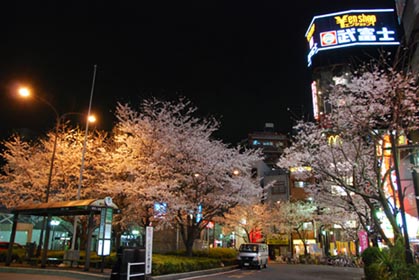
x=129, y=275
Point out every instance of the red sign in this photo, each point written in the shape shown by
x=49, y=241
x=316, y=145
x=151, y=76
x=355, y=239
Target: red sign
x=363, y=240
x=255, y=236
x=328, y=38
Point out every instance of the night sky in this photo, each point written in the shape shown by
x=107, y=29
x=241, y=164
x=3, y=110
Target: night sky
x=243, y=62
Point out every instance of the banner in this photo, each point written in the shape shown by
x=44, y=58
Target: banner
x=363, y=240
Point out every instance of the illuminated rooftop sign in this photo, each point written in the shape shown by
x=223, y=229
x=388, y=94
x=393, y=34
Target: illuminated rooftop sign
x=351, y=28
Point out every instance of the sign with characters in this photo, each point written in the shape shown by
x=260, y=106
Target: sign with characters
x=351, y=28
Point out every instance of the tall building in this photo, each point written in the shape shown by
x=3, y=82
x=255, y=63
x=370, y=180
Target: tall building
x=408, y=17
x=274, y=181
x=338, y=39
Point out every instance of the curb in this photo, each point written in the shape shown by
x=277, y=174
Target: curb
x=69, y=273
x=178, y=276
x=106, y=275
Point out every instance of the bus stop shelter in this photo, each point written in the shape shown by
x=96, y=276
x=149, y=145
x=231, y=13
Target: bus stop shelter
x=87, y=207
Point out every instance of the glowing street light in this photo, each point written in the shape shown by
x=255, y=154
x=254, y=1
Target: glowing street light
x=236, y=172
x=25, y=93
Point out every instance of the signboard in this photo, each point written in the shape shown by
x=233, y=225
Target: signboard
x=105, y=232
x=363, y=240
x=148, y=249
x=281, y=239
x=351, y=28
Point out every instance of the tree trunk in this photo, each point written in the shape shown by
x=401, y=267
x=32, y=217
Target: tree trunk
x=189, y=233
x=189, y=246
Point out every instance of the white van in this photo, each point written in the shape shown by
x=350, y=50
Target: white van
x=253, y=255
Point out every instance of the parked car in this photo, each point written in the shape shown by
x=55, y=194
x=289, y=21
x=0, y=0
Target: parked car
x=18, y=251
x=253, y=255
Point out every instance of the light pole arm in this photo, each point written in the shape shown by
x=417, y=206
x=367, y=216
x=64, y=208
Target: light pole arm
x=57, y=126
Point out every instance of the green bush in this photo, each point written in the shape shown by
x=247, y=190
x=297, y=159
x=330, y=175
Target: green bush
x=388, y=264
x=168, y=264
x=174, y=262
x=370, y=255
x=177, y=262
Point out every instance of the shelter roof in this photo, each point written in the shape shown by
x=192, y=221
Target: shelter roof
x=65, y=208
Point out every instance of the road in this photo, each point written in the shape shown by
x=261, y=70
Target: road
x=288, y=272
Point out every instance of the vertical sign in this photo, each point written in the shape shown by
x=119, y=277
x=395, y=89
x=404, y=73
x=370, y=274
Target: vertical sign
x=148, y=249
x=105, y=232
x=363, y=240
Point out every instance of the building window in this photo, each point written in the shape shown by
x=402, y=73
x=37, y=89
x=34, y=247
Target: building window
x=279, y=188
x=267, y=143
x=300, y=184
x=308, y=226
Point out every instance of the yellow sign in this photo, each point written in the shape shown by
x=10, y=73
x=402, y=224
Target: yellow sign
x=346, y=21
x=278, y=240
x=310, y=32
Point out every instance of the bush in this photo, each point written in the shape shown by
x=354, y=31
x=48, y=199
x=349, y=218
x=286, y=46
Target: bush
x=388, y=264
x=168, y=264
x=370, y=255
x=176, y=262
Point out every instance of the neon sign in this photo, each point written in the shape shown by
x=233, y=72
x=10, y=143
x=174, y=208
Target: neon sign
x=314, y=100
x=351, y=28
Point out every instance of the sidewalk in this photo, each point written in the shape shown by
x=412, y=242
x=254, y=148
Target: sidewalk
x=21, y=272
x=73, y=273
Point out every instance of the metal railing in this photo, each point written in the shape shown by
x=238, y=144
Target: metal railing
x=129, y=275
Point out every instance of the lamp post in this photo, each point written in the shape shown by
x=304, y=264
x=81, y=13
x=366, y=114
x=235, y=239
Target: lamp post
x=25, y=92
x=82, y=159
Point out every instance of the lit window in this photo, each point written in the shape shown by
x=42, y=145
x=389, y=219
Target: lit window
x=300, y=184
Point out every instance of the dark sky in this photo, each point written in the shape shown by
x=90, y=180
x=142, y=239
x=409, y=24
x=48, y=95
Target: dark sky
x=243, y=62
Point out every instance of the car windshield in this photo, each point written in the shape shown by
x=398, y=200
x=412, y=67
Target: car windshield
x=248, y=248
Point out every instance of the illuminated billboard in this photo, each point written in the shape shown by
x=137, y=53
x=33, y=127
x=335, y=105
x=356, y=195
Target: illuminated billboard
x=351, y=28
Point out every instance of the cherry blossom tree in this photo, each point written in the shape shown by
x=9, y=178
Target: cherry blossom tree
x=348, y=152
x=293, y=217
x=161, y=155
x=27, y=170
x=166, y=156
x=246, y=219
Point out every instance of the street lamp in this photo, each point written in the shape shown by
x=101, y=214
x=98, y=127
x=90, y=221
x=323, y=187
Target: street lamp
x=90, y=118
x=26, y=93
